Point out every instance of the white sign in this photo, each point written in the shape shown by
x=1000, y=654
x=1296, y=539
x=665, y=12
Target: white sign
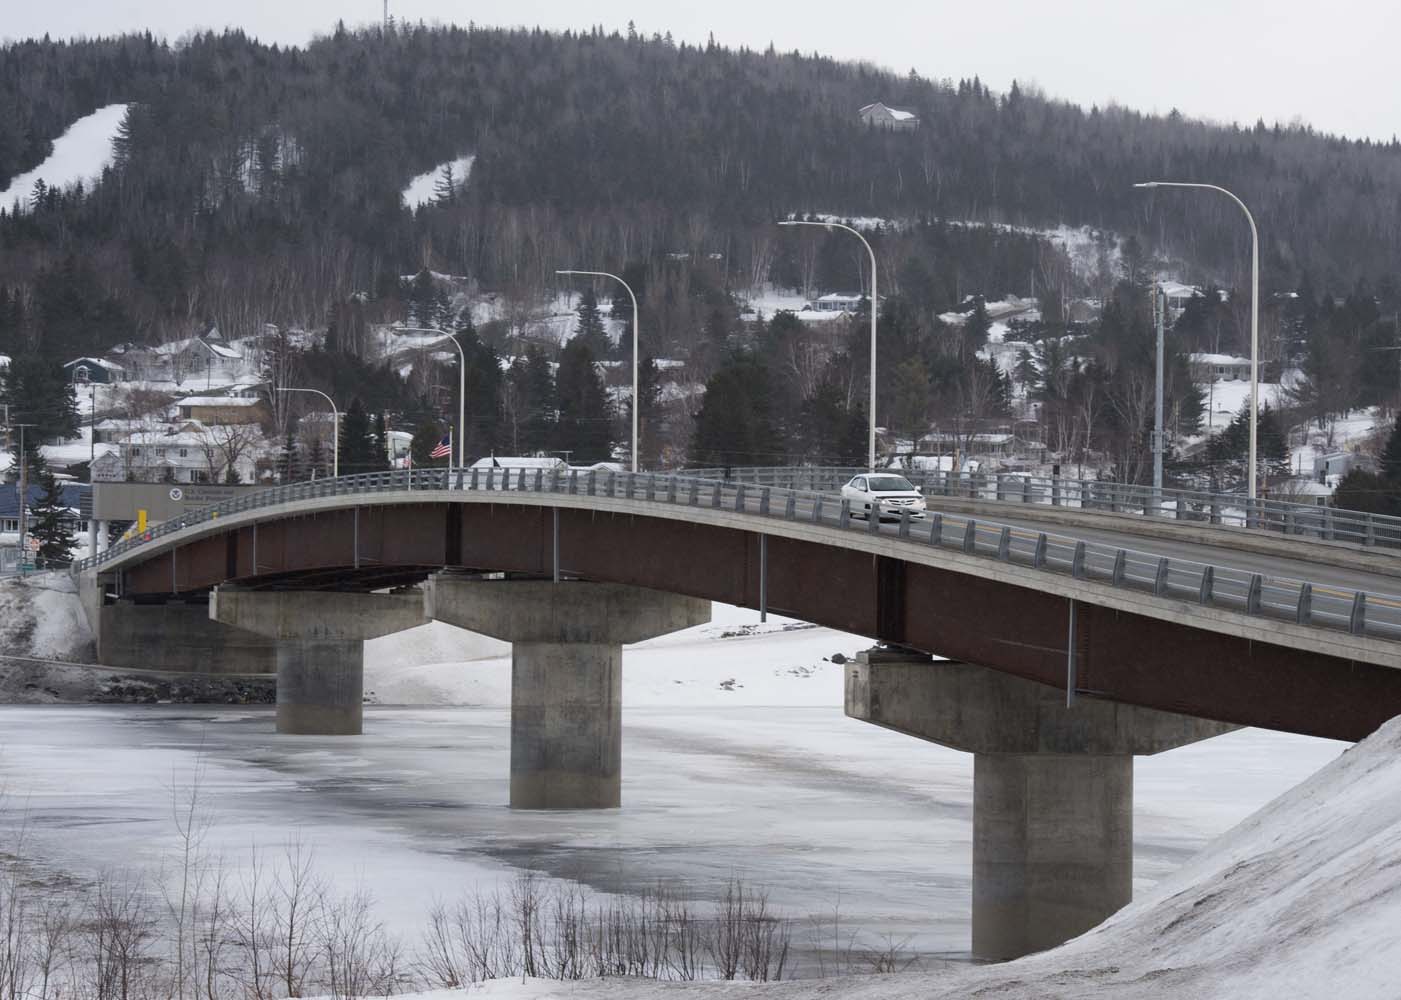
x=32, y=544
x=176, y=493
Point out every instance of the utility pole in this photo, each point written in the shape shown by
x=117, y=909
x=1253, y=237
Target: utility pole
x=23, y=496
x=1160, y=316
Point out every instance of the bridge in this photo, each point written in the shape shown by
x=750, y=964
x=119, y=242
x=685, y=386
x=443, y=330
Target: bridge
x=1068, y=637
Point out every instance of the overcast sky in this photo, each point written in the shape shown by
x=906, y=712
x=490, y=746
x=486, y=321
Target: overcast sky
x=1331, y=64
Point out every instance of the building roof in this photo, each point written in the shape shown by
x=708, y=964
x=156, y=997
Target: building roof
x=223, y=350
x=72, y=494
x=100, y=362
x=217, y=401
x=1217, y=359
x=899, y=114
x=499, y=462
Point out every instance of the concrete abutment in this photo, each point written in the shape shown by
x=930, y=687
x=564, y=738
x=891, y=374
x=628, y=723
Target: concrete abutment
x=1052, y=787
x=566, y=674
x=320, y=639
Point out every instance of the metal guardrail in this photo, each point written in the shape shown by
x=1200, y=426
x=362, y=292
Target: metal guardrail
x=1264, y=595
x=1280, y=516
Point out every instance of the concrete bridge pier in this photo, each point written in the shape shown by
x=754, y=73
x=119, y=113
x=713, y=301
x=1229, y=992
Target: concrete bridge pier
x=1052, y=788
x=566, y=674
x=320, y=648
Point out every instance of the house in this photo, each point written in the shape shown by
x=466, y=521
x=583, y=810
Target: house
x=81, y=371
x=835, y=302
x=73, y=495
x=208, y=357
x=4, y=361
x=884, y=116
x=1334, y=465
x=1218, y=368
x=223, y=409
x=189, y=454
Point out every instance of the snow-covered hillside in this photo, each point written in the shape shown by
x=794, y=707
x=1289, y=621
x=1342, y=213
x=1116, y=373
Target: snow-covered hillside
x=80, y=154
x=423, y=189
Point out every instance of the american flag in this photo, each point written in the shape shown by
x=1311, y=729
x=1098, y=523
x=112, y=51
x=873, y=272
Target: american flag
x=444, y=448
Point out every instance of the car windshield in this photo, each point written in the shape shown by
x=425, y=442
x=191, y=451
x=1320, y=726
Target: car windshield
x=890, y=484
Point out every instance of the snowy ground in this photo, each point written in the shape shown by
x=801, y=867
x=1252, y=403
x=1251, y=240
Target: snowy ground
x=769, y=300
x=79, y=154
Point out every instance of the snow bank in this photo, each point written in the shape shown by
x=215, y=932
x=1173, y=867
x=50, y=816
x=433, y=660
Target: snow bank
x=80, y=154
x=41, y=616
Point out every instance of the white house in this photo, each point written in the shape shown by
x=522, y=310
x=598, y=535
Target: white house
x=883, y=116
x=1218, y=368
x=835, y=302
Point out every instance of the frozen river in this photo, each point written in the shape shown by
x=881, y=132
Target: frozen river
x=818, y=809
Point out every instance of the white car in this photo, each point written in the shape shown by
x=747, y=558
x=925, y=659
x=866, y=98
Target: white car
x=888, y=494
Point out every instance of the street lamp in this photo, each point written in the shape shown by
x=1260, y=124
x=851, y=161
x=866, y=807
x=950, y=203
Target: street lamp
x=461, y=399
x=636, y=396
x=335, y=428
x=875, y=306
x=1254, y=310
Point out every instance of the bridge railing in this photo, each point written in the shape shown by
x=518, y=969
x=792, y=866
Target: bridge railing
x=1282, y=516
x=1272, y=596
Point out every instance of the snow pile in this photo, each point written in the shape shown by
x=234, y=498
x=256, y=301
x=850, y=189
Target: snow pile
x=423, y=189
x=80, y=154
x=41, y=616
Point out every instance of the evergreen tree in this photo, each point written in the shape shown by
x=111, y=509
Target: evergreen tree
x=425, y=438
x=483, y=384
x=649, y=429
x=1391, y=456
x=736, y=425
x=445, y=188
x=832, y=433
x=585, y=417
x=1369, y=492
x=976, y=327
x=287, y=460
x=38, y=392
x=47, y=524
x=1232, y=445
x=317, y=466
x=357, y=442
x=534, y=402
x=590, y=329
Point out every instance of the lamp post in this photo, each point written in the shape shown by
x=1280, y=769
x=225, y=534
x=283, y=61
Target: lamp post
x=875, y=307
x=636, y=396
x=461, y=398
x=335, y=428
x=1254, y=312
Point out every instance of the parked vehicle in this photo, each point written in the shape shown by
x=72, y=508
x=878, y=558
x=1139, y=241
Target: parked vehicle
x=886, y=493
